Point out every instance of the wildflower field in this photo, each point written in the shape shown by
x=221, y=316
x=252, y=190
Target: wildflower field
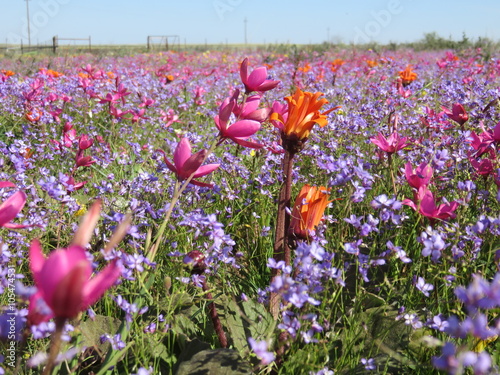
x=250, y=212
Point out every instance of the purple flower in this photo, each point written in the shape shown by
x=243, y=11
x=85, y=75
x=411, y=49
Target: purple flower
x=144, y=371
x=353, y=247
x=382, y=201
x=397, y=251
x=115, y=341
x=439, y=323
x=480, y=293
x=423, y=286
x=448, y=360
x=369, y=364
x=433, y=244
x=260, y=350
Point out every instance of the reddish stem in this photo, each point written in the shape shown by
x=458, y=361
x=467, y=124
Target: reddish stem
x=212, y=310
x=281, y=248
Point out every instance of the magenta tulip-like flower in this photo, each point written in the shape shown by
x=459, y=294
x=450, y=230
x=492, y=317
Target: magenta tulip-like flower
x=482, y=142
x=187, y=164
x=239, y=131
x=390, y=145
x=457, y=113
x=64, y=279
x=419, y=177
x=249, y=110
x=11, y=207
x=426, y=206
x=257, y=80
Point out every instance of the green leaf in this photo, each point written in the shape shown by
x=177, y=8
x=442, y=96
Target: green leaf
x=219, y=361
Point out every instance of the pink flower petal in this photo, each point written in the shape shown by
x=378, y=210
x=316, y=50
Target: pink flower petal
x=248, y=144
x=244, y=71
x=4, y=184
x=256, y=78
x=192, y=164
x=11, y=207
x=37, y=260
x=87, y=225
x=242, y=129
x=182, y=153
x=57, y=266
x=66, y=300
x=205, y=169
x=95, y=288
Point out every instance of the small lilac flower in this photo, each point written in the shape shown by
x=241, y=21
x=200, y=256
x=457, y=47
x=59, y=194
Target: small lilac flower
x=448, y=360
x=412, y=320
x=260, y=350
x=423, y=286
x=115, y=341
x=397, y=251
x=144, y=371
x=324, y=371
x=369, y=364
x=382, y=201
x=433, y=244
x=353, y=247
x=439, y=323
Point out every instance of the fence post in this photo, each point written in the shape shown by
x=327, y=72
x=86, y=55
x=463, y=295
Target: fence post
x=54, y=44
x=90, y=44
x=21, y=46
x=149, y=47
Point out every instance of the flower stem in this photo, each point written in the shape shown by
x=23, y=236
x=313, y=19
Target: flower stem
x=389, y=162
x=212, y=310
x=281, y=248
x=55, y=345
x=178, y=190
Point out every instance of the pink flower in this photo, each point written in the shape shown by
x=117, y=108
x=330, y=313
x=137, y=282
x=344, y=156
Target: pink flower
x=64, y=278
x=84, y=161
x=484, y=166
x=419, y=177
x=239, y=131
x=457, y=113
x=85, y=142
x=11, y=207
x=427, y=206
x=169, y=117
x=187, y=164
x=257, y=80
x=250, y=109
x=482, y=142
x=390, y=145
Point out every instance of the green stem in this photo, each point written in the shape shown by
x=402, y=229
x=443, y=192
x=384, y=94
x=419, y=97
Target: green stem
x=55, y=346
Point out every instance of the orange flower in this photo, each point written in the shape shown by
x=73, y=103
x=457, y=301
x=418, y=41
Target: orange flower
x=301, y=115
x=308, y=211
x=371, y=63
x=51, y=73
x=7, y=73
x=305, y=68
x=34, y=115
x=336, y=64
x=407, y=76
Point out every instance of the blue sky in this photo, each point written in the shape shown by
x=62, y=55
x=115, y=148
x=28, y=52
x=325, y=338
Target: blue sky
x=223, y=21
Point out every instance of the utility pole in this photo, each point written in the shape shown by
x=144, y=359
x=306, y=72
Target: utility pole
x=245, y=21
x=28, y=19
